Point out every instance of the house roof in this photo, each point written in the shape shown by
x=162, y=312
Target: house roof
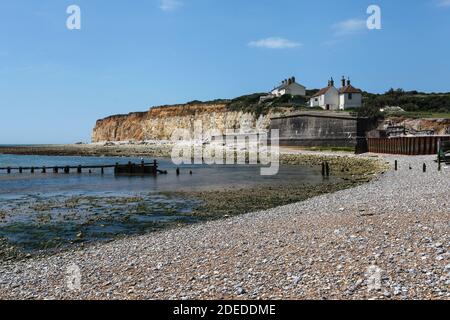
x=281, y=87
x=349, y=89
x=322, y=91
x=287, y=85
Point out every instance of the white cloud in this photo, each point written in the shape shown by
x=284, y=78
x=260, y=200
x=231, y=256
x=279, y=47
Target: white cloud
x=274, y=43
x=443, y=3
x=350, y=26
x=170, y=5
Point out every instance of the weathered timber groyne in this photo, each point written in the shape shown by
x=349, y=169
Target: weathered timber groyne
x=128, y=169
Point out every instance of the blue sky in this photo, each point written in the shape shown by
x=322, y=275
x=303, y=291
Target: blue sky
x=131, y=55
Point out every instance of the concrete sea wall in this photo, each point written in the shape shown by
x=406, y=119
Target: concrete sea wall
x=320, y=129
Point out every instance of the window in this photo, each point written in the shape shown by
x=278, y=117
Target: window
x=350, y=96
x=316, y=99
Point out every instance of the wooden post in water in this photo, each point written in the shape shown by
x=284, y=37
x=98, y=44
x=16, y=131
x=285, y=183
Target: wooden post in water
x=44, y=170
x=55, y=170
x=20, y=170
x=32, y=170
x=8, y=170
x=327, y=169
x=396, y=165
x=67, y=170
x=424, y=168
x=79, y=170
x=103, y=170
x=323, y=169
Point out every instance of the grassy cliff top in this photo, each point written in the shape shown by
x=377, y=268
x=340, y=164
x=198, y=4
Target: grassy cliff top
x=416, y=104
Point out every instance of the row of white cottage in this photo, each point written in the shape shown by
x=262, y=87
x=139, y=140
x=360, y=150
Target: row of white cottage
x=328, y=98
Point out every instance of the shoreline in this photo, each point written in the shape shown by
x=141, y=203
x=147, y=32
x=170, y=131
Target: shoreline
x=341, y=161
x=212, y=206
x=321, y=248
x=220, y=204
x=91, y=150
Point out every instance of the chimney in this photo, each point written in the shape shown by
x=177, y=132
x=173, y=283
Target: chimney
x=331, y=82
x=348, y=82
x=293, y=79
x=285, y=81
x=343, y=81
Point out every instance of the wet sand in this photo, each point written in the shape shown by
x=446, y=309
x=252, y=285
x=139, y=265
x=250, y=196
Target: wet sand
x=137, y=150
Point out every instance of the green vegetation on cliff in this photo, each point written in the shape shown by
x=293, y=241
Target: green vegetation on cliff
x=415, y=103
x=410, y=101
x=251, y=103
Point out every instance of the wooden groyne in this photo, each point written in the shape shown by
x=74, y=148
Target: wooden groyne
x=422, y=145
x=128, y=169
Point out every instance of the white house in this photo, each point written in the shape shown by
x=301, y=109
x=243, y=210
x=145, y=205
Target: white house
x=327, y=98
x=289, y=86
x=349, y=96
x=330, y=98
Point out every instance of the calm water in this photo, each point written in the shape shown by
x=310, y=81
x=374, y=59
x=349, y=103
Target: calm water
x=49, y=210
x=204, y=177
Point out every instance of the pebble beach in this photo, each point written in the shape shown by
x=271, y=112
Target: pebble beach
x=385, y=239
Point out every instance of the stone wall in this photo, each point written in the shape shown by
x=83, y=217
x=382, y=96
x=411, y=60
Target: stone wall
x=325, y=129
